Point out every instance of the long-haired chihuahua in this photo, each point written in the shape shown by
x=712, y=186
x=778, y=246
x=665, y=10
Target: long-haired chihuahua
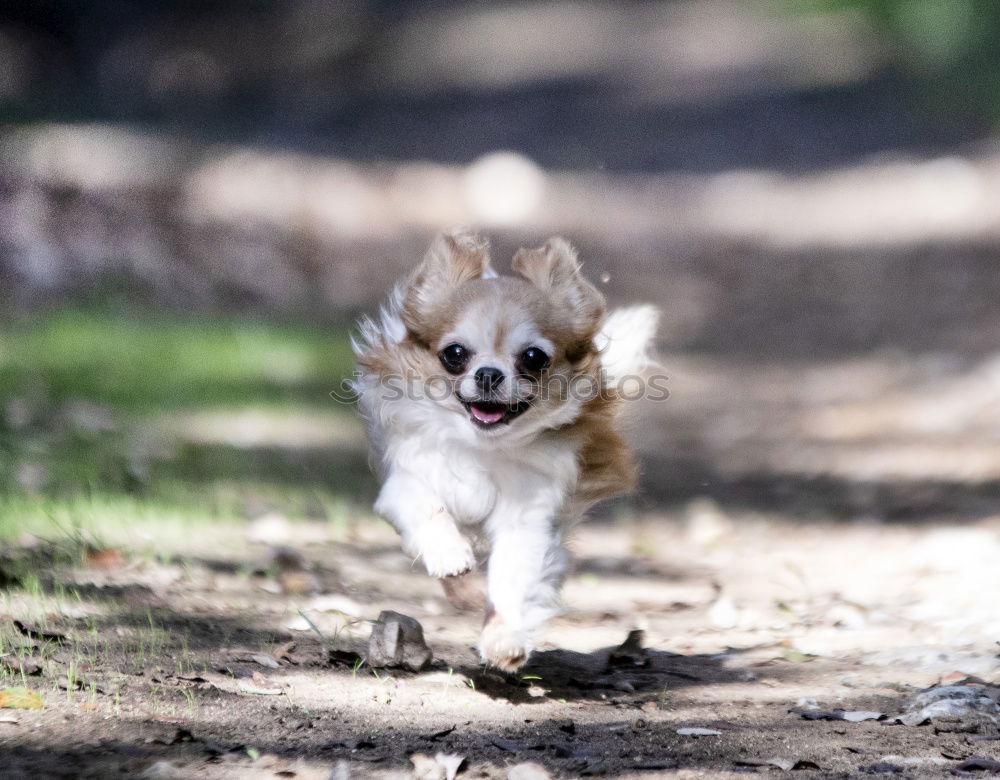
x=492, y=408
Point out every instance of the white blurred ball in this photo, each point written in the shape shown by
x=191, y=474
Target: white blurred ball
x=503, y=188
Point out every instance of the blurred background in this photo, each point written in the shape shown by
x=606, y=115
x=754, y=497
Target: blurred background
x=197, y=198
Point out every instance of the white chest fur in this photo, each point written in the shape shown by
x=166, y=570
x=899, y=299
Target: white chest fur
x=476, y=481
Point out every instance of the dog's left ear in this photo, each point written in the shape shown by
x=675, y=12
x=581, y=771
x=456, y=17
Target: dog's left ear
x=555, y=269
x=454, y=258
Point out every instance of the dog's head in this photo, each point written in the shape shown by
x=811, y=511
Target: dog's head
x=513, y=354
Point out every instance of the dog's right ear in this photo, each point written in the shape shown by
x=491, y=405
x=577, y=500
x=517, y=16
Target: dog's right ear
x=455, y=257
x=554, y=268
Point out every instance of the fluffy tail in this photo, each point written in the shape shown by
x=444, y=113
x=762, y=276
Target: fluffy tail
x=626, y=342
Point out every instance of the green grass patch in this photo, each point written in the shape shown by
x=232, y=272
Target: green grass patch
x=136, y=363
x=87, y=444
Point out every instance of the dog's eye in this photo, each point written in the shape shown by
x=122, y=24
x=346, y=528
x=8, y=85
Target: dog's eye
x=533, y=360
x=453, y=358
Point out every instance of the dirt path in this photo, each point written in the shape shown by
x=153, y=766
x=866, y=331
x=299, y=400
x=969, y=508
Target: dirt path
x=745, y=617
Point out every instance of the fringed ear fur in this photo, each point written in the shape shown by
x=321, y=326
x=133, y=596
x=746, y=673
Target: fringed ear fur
x=555, y=270
x=455, y=257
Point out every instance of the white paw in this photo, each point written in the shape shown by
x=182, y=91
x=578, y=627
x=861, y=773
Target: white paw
x=448, y=556
x=501, y=647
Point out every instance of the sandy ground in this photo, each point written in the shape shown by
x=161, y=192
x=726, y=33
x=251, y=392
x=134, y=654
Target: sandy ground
x=745, y=616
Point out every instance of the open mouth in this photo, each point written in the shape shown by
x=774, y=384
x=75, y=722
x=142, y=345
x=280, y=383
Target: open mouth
x=489, y=414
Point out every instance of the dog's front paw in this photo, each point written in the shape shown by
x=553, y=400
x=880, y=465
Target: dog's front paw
x=448, y=557
x=501, y=647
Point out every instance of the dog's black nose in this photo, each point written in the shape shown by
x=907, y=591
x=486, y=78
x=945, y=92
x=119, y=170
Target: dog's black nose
x=488, y=379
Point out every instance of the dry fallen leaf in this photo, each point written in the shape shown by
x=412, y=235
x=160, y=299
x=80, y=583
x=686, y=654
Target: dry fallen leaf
x=266, y=660
x=259, y=685
x=853, y=716
x=299, y=623
x=959, y=678
x=856, y=716
x=335, y=602
x=283, y=652
x=106, y=558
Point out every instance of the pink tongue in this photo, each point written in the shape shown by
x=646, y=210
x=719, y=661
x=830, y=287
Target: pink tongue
x=487, y=414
